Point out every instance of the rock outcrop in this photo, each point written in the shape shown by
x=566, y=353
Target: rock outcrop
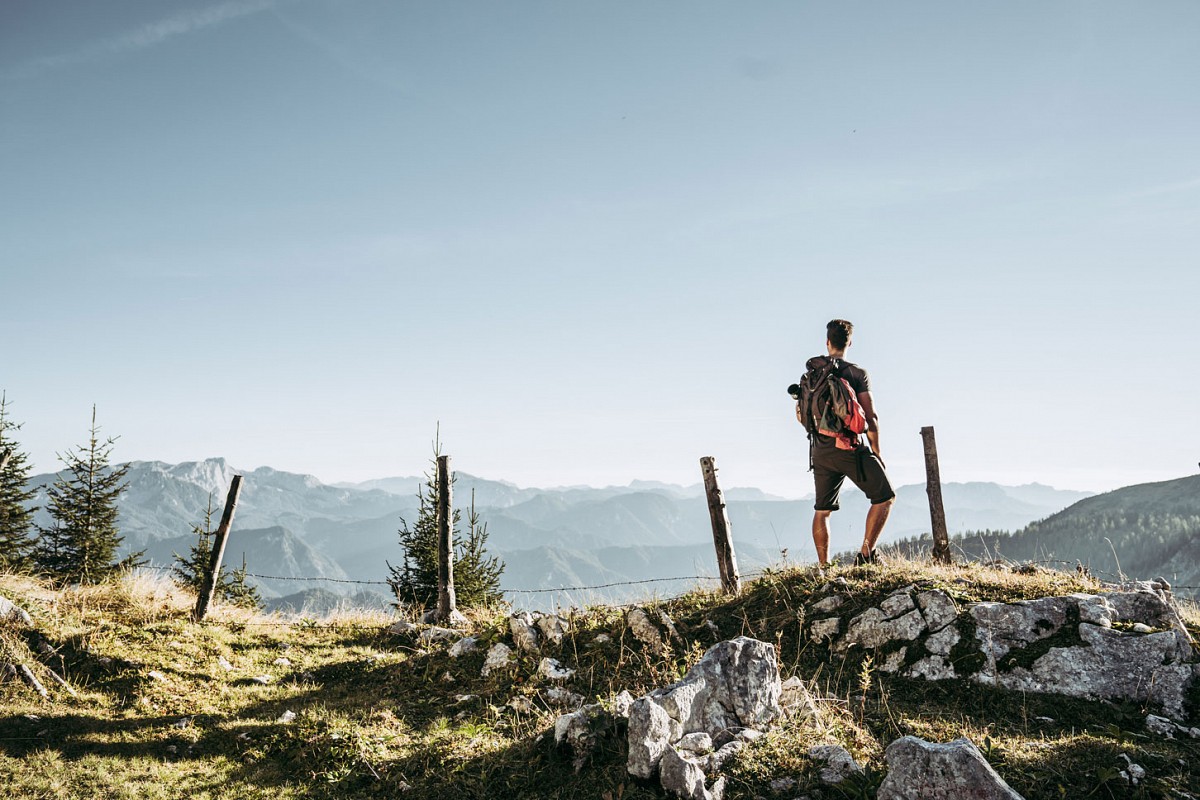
x=1120, y=645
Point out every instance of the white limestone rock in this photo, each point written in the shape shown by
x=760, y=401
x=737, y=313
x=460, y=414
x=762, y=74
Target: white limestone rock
x=920, y=769
x=828, y=605
x=836, y=763
x=524, y=632
x=11, y=612
x=824, y=630
x=436, y=633
x=645, y=631
x=734, y=686
x=553, y=670
x=465, y=645
x=898, y=602
x=553, y=628
x=499, y=656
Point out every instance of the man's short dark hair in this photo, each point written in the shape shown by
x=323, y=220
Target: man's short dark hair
x=838, y=331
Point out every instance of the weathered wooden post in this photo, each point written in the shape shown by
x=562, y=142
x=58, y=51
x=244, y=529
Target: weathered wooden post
x=447, y=609
x=209, y=587
x=933, y=487
x=731, y=581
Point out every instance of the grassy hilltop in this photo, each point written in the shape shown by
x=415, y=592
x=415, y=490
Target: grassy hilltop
x=167, y=708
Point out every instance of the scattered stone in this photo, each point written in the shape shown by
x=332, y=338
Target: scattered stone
x=829, y=604
x=282, y=662
x=712, y=627
x=522, y=704
x=1133, y=773
x=750, y=734
x=524, y=632
x=917, y=768
x=224, y=664
x=155, y=675
x=403, y=627
x=262, y=680
x=823, y=630
x=11, y=612
x=734, y=686
x=551, y=669
x=436, y=633
x=467, y=644
x=465, y=698
x=498, y=656
x=796, y=701
x=1141, y=627
x=669, y=626
x=683, y=776
x=447, y=677
x=286, y=717
x=553, y=628
x=836, y=763
x=183, y=722
x=602, y=638
x=645, y=631
x=581, y=731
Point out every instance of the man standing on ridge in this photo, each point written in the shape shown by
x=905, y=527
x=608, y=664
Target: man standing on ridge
x=834, y=403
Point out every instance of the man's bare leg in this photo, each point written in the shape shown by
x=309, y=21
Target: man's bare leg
x=876, y=518
x=821, y=537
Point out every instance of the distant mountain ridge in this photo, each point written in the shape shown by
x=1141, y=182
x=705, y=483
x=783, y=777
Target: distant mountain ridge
x=295, y=526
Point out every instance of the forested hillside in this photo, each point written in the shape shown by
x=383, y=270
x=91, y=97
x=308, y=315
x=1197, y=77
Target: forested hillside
x=1140, y=531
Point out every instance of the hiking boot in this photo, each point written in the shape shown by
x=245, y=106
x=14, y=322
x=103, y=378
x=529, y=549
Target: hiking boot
x=860, y=559
x=873, y=557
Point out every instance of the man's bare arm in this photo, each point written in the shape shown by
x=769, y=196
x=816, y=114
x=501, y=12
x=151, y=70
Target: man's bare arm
x=868, y=405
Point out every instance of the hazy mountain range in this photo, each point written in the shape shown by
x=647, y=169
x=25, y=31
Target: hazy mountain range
x=292, y=526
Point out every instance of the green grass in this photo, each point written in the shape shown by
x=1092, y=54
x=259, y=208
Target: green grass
x=378, y=716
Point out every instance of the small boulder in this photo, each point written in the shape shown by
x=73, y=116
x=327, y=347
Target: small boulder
x=645, y=631
x=553, y=628
x=553, y=670
x=524, y=632
x=498, y=656
x=917, y=768
x=11, y=612
x=467, y=644
x=836, y=763
x=436, y=633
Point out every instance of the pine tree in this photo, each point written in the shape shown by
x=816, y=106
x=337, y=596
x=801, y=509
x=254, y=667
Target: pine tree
x=80, y=546
x=16, y=513
x=189, y=571
x=476, y=574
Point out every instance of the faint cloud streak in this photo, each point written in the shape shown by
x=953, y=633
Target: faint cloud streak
x=146, y=36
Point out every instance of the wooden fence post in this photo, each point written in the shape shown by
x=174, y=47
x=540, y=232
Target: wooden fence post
x=209, y=588
x=933, y=487
x=446, y=607
x=731, y=581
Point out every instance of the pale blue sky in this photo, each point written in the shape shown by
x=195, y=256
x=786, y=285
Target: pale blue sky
x=598, y=240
